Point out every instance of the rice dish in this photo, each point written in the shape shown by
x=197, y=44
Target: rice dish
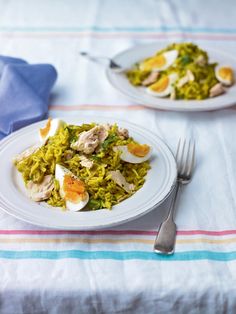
x=96, y=169
x=181, y=71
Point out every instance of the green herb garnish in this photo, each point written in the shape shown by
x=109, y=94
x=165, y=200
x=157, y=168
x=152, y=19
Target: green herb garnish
x=95, y=158
x=186, y=59
x=110, y=139
x=94, y=204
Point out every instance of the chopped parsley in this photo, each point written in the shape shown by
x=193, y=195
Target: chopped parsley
x=95, y=158
x=110, y=139
x=94, y=204
x=186, y=59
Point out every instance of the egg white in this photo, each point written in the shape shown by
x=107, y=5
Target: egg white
x=219, y=78
x=60, y=173
x=167, y=91
x=128, y=157
x=170, y=57
x=56, y=124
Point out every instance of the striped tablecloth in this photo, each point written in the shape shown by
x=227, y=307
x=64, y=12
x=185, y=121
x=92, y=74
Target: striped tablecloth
x=115, y=270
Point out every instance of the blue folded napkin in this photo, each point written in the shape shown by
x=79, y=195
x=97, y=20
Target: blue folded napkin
x=24, y=93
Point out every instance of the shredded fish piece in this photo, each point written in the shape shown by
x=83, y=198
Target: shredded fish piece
x=189, y=77
x=85, y=162
x=123, y=133
x=41, y=191
x=88, y=141
x=201, y=60
x=217, y=90
x=152, y=77
x=119, y=179
x=26, y=153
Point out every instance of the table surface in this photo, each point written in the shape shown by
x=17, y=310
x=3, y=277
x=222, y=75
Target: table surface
x=115, y=270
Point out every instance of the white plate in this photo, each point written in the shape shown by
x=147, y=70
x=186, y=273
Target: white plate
x=128, y=57
x=13, y=199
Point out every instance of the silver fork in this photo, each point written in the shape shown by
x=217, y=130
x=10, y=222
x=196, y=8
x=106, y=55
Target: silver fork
x=185, y=156
x=111, y=63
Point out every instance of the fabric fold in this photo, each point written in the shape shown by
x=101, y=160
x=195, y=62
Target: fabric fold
x=24, y=93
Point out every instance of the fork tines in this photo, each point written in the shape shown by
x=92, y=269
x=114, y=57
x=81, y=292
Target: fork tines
x=185, y=157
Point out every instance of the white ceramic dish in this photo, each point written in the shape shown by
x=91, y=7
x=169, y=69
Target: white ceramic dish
x=13, y=199
x=137, y=94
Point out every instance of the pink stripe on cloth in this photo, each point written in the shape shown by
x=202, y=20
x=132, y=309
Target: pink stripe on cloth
x=96, y=107
x=114, y=232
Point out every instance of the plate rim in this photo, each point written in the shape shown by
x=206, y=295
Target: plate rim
x=167, y=107
x=173, y=175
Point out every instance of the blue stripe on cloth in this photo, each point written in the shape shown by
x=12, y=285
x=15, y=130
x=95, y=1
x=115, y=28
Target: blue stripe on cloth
x=113, y=255
x=119, y=29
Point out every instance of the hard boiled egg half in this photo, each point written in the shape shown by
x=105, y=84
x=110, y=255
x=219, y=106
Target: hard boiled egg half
x=160, y=62
x=72, y=189
x=225, y=75
x=163, y=87
x=134, y=153
x=51, y=128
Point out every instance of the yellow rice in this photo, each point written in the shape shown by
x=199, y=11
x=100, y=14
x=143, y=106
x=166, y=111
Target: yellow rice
x=188, y=53
x=103, y=191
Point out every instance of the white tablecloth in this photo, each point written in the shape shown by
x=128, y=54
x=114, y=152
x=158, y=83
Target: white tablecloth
x=115, y=270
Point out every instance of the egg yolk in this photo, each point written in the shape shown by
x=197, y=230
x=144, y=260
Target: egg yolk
x=44, y=131
x=154, y=63
x=160, y=85
x=138, y=149
x=226, y=74
x=74, y=189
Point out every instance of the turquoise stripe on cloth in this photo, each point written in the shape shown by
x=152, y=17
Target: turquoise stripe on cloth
x=119, y=256
x=118, y=29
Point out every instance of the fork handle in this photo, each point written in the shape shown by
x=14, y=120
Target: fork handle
x=93, y=58
x=100, y=60
x=165, y=240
